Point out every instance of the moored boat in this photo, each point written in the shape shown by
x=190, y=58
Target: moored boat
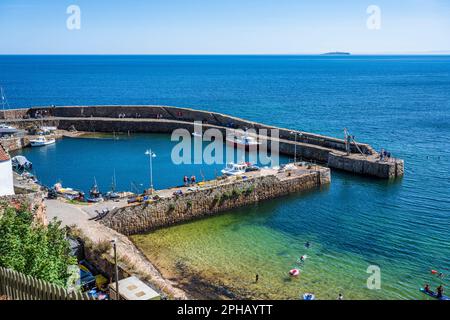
x=113, y=194
x=246, y=141
x=6, y=129
x=20, y=163
x=68, y=193
x=41, y=141
x=95, y=194
x=234, y=169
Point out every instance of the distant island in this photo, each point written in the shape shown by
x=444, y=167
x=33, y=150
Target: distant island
x=337, y=53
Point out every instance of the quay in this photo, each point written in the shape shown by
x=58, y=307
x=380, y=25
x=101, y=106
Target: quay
x=176, y=205
x=354, y=157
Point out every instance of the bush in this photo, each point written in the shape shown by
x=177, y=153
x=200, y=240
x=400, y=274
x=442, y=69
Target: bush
x=34, y=249
x=249, y=190
x=236, y=193
x=101, y=247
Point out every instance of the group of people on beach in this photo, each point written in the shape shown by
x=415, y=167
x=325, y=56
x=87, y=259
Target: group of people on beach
x=189, y=181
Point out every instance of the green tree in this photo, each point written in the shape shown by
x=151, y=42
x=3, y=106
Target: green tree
x=34, y=249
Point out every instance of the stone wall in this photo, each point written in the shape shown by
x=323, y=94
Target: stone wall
x=381, y=169
x=163, y=119
x=181, y=114
x=34, y=202
x=194, y=205
x=15, y=143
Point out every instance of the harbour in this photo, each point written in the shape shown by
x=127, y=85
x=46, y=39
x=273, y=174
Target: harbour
x=354, y=222
x=341, y=154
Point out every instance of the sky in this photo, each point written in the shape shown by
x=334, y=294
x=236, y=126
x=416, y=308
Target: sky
x=224, y=27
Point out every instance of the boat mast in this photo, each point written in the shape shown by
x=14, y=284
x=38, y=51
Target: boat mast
x=113, y=185
x=4, y=102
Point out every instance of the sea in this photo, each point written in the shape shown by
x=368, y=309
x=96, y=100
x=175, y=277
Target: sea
x=369, y=238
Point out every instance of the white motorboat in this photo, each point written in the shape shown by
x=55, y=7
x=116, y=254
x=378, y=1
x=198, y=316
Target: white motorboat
x=21, y=163
x=48, y=130
x=234, y=169
x=41, y=141
x=245, y=141
x=6, y=129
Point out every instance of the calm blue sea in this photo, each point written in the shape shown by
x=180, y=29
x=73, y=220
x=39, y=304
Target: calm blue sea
x=401, y=103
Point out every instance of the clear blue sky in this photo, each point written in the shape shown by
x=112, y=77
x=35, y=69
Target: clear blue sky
x=223, y=26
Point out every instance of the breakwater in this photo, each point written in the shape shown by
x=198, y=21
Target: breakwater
x=214, y=197
x=362, y=159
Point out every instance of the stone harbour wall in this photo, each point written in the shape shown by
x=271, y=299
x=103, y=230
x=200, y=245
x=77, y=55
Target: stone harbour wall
x=165, y=212
x=381, y=169
x=164, y=119
x=176, y=113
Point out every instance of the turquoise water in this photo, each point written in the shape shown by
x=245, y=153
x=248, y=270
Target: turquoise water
x=401, y=103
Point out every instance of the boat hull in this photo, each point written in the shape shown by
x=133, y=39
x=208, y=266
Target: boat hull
x=240, y=145
x=41, y=144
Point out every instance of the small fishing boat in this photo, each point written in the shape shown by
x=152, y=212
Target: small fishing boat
x=113, y=194
x=41, y=141
x=4, y=128
x=245, y=141
x=434, y=294
x=95, y=194
x=234, y=169
x=68, y=193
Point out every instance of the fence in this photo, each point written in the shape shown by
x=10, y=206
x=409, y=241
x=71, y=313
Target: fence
x=18, y=286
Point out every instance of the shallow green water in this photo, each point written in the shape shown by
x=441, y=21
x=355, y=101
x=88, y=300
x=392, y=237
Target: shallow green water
x=230, y=249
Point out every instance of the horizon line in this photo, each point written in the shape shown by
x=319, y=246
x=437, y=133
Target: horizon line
x=338, y=53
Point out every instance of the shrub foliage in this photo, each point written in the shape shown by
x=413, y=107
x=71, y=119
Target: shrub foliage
x=33, y=249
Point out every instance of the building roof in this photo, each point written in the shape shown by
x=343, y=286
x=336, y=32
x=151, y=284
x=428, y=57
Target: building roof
x=4, y=156
x=134, y=289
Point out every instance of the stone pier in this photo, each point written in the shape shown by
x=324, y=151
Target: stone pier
x=214, y=197
x=363, y=159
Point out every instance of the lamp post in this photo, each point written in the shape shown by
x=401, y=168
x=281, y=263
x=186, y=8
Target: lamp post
x=150, y=155
x=116, y=268
x=295, y=146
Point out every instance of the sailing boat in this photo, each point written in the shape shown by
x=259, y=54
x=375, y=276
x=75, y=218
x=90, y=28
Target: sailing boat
x=4, y=128
x=113, y=194
x=95, y=194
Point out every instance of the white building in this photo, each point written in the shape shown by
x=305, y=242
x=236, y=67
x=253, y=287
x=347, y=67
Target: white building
x=6, y=173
